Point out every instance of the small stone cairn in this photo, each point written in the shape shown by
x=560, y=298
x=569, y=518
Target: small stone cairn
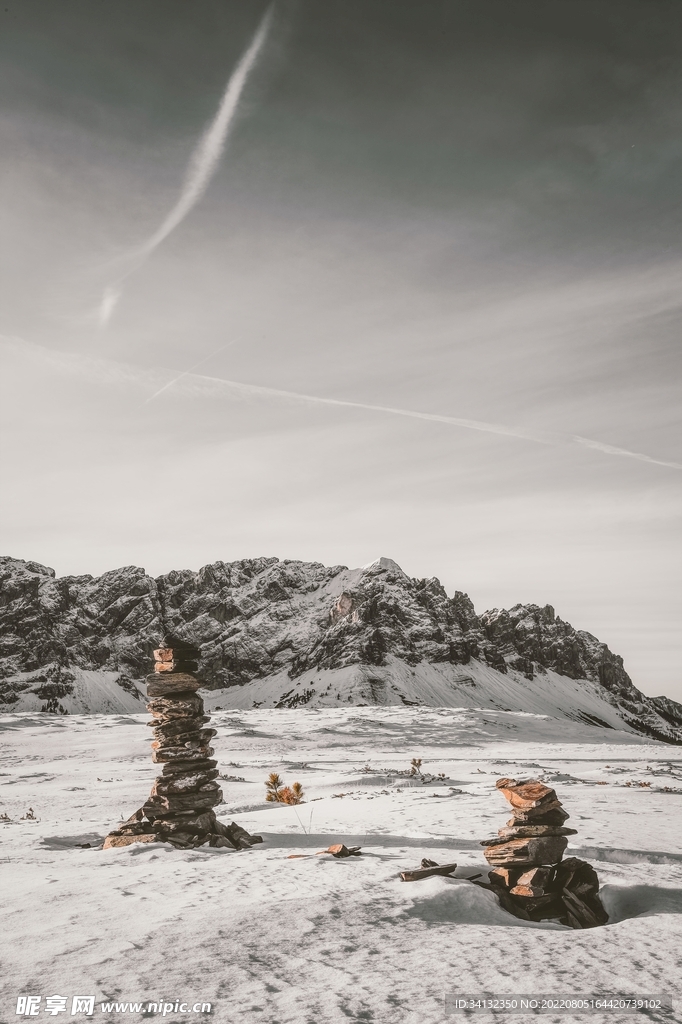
x=529, y=876
x=179, y=809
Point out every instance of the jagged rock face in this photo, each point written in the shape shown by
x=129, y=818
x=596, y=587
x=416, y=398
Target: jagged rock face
x=109, y=622
x=531, y=638
x=257, y=617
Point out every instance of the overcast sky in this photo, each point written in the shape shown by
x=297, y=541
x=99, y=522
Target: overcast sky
x=464, y=209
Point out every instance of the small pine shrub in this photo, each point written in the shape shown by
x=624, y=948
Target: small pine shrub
x=292, y=794
x=273, y=788
x=416, y=766
x=277, y=792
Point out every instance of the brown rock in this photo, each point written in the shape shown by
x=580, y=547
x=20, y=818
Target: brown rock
x=177, y=665
x=135, y=828
x=184, y=658
x=175, y=726
x=182, y=767
x=170, y=683
x=573, y=873
x=540, y=877
x=158, y=805
x=188, y=705
x=185, y=821
x=113, y=840
x=529, y=831
x=583, y=912
x=536, y=882
x=184, y=755
x=191, y=738
x=163, y=654
x=427, y=871
x=189, y=782
x=526, y=796
x=527, y=891
x=550, y=814
x=526, y=852
x=339, y=850
x=217, y=841
x=184, y=842
x=534, y=908
x=505, y=877
x=237, y=835
x=506, y=783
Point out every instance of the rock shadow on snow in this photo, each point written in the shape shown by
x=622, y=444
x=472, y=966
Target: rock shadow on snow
x=371, y=842
x=623, y=902
x=614, y=856
x=84, y=841
x=460, y=902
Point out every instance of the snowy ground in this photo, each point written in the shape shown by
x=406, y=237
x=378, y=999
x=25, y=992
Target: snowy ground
x=312, y=939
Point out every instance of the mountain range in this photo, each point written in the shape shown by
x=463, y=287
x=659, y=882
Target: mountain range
x=282, y=633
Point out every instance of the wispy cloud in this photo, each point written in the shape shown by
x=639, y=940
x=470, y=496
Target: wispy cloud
x=190, y=384
x=110, y=298
x=202, y=167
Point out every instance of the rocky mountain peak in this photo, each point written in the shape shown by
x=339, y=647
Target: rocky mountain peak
x=383, y=564
x=263, y=619
x=19, y=565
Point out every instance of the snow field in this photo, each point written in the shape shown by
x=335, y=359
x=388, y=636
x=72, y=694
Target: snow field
x=313, y=939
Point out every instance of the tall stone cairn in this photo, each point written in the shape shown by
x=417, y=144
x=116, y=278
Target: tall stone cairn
x=529, y=876
x=179, y=809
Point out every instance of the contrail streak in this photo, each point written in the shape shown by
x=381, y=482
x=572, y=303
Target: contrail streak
x=202, y=166
x=193, y=384
x=549, y=438
x=609, y=449
x=186, y=373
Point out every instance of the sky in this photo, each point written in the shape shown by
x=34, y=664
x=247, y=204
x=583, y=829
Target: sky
x=465, y=209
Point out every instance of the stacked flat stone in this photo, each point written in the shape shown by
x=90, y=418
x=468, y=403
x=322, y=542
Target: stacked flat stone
x=535, y=834
x=179, y=809
x=529, y=875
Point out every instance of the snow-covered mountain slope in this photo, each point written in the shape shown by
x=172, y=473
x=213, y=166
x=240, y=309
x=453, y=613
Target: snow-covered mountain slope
x=285, y=633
